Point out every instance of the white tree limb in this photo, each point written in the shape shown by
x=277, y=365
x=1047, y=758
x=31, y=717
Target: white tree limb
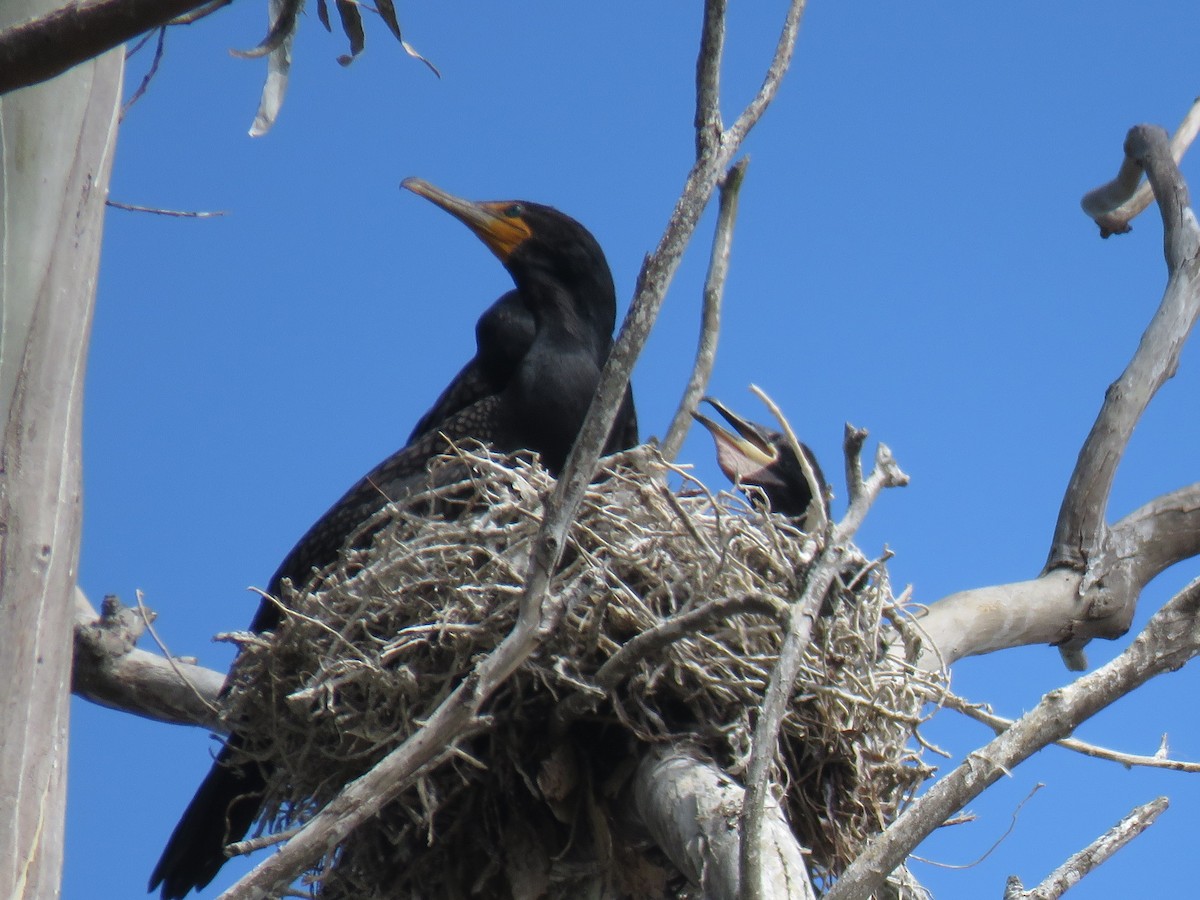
x=109, y=670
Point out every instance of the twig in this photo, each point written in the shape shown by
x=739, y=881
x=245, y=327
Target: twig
x=1012, y=824
x=708, y=78
x=999, y=724
x=1074, y=869
x=148, y=620
x=710, y=316
x=147, y=78
x=179, y=213
x=799, y=632
x=1169, y=640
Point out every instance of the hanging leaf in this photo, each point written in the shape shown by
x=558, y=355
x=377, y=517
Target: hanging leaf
x=284, y=15
x=353, y=27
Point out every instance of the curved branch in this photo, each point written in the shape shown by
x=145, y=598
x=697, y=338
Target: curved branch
x=1079, y=531
x=1114, y=205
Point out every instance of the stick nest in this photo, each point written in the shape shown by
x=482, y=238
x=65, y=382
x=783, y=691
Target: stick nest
x=532, y=803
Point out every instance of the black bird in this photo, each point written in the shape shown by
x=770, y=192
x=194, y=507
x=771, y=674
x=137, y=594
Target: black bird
x=539, y=353
x=758, y=457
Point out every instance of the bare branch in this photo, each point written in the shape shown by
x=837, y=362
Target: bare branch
x=1080, y=527
x=1170, y=639
x=708, y=78
x=1074, y=869
x=710, y=316
x=1114, y=205
x=1062, y=605
x=41, y=48
x=110, y=671
x=177, y=213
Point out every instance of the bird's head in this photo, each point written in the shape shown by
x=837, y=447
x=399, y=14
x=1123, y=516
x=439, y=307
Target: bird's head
x=539, y=246
x=755, y=456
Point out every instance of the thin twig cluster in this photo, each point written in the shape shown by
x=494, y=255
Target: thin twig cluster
x=532, y=796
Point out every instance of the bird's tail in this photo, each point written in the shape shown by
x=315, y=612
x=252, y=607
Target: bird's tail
x=222, y=811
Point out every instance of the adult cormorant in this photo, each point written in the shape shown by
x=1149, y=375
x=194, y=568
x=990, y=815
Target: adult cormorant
x=539, y=353
x=764, y=459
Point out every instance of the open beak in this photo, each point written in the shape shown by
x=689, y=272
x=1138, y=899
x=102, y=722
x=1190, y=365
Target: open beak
x=744, y=454
x=497, y=223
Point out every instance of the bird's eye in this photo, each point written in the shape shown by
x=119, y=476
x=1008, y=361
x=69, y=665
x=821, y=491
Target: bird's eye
x=514, y=210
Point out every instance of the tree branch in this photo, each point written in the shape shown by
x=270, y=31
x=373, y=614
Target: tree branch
x=1169, y=640
x=49, y=45
x=1080, y=527
x=999, y=724
x=1062, y=604
x=1114, y=205
x=110, y=671
x=710, y=316
x=1074, y=869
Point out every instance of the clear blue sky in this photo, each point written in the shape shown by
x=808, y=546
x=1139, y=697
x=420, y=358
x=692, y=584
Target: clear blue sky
x=910, y=257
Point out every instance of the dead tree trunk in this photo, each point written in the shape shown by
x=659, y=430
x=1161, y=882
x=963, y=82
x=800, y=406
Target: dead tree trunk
x=56, y=146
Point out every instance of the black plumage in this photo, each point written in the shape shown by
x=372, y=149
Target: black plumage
x=539, y=352
x=758, y=457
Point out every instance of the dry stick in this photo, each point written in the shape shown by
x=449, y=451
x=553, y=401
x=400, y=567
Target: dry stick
x=999, y=724
x=178, y=213
x=1074, y=869
x=365, y=796
x=41, y=48
x=1170, y=639
x=710, y=316
x=799, y=632
x=1114, y=205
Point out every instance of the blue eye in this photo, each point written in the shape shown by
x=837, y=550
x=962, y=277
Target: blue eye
x=514, y=211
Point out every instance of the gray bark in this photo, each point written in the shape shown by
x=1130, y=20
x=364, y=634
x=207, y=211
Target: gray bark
x=56, y=146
